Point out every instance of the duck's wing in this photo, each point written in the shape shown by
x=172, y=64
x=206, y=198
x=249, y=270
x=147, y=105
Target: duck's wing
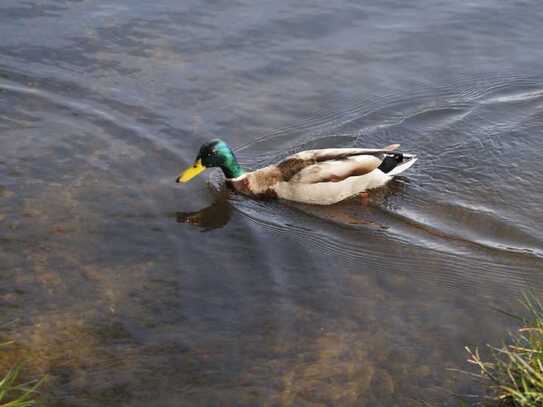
x=331, y=164
x=326, y=154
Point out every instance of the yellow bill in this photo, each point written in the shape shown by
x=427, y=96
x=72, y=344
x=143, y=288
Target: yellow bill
x=191, y=172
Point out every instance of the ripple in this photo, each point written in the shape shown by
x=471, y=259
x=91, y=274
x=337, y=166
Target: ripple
x=516, y=97
x=468, y=227
x=438, y=117
x=420, y=250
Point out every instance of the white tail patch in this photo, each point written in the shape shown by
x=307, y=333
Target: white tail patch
x=403, y=166
x=391, y=147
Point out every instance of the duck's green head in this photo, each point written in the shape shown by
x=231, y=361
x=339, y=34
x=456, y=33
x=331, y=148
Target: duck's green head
x=215, y=153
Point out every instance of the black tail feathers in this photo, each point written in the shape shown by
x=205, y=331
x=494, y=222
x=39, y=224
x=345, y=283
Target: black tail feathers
x=390, y=162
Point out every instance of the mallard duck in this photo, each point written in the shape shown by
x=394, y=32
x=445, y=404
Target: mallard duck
x=321, y=177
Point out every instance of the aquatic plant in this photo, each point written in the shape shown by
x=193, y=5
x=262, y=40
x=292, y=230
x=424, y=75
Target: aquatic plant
x=15, y=394
x=515, y=371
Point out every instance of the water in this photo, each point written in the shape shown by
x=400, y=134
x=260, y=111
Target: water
x=108, y=283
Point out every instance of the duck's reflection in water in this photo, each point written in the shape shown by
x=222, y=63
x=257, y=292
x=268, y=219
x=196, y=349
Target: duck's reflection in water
x=364, y=210
x=214, y=216
x=352, y=212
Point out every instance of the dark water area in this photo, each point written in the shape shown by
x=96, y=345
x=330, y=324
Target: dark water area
x=128, y=289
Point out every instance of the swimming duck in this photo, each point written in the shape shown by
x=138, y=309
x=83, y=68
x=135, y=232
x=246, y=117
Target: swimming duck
x=321, y=177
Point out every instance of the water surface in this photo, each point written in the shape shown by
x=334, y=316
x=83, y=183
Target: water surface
x=129, y=289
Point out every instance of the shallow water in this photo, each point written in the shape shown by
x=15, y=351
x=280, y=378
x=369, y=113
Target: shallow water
x=112, y=288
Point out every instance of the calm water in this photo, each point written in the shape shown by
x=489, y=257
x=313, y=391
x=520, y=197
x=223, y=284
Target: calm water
x=131, y=290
